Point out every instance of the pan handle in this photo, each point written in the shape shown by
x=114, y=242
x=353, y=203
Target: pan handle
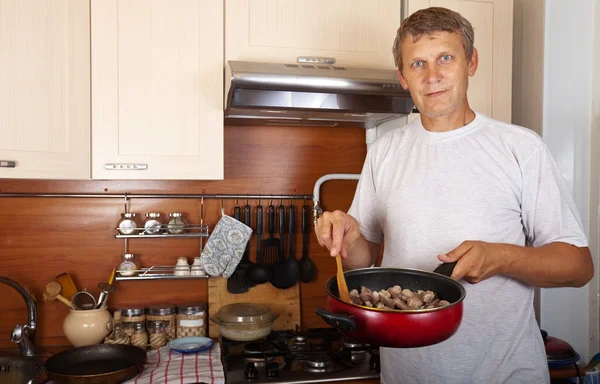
x=344, y=322
x=445, y=268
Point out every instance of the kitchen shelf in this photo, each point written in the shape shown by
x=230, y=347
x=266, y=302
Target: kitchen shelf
x=191, y=231
x=157, y=273
x=163, y=235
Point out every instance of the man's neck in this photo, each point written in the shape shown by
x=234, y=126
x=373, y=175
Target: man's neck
x=455, y=120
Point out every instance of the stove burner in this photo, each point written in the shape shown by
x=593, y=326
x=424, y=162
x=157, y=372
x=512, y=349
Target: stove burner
x=257, y=348
x=299, y=339
x=318, y=362
x=350, y=344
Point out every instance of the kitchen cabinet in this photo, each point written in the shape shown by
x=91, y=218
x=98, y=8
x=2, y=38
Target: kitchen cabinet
x=490, y=90
x=157, y=89
x=357, y=33
x=45, y=89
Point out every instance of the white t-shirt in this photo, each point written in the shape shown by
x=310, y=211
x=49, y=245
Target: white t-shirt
x=427, y=192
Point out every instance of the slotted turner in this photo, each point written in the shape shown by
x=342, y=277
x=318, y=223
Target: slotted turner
x=271, y=244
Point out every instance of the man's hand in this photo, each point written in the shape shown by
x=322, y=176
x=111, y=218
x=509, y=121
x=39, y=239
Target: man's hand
x=477, y=260
x=337, y=231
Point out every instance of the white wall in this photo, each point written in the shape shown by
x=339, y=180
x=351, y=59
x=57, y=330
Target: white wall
x=568, y=55
x=595, y=186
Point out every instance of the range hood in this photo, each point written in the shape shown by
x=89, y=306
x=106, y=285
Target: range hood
x=312, y=95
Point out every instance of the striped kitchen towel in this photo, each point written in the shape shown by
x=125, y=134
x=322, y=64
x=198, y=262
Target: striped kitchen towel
x=167, y=366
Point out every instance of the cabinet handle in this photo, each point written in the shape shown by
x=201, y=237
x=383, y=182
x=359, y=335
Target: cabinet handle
x=316, y=60
x=125, y=167
x=7, y=164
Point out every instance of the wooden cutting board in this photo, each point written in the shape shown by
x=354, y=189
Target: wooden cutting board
x=285, y=302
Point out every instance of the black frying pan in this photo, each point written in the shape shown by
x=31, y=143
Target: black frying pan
x=95, y=364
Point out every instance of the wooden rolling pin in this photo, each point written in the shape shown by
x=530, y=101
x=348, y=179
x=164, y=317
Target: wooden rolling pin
x=52, y=292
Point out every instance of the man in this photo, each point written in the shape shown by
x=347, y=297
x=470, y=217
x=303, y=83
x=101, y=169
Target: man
x=459, y=186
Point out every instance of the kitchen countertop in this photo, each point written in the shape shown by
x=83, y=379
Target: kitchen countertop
x=556, y=375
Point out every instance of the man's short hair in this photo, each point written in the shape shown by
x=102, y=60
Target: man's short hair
x=429, y=21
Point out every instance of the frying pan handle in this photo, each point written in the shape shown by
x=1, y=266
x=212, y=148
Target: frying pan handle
x=445, y=268
x=344, y=322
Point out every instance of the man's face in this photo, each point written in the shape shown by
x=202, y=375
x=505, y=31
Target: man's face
x=436, y=71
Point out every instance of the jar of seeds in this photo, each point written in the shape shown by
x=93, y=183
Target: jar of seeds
x=165, y=313
x=139, y=338
x=177, y=223
x=156, y=334
x=191, y=320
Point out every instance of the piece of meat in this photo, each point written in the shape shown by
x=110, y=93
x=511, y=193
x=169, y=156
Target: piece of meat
x=414, y=302
x=398, y=303
x=395, y=291
x=428, y=296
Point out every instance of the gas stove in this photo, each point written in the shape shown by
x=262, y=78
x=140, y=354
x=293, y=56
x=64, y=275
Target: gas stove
x=317, y=355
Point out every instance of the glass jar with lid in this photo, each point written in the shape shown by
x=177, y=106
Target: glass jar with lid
x=177, y=223
x=164, y=313
x=156, y=334
x=129, y=266
x=153, y=223
x=191, y=320
x=139, y=338
x=129, y=224
x=117, y=336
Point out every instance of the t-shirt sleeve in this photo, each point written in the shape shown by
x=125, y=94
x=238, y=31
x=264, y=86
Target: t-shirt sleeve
x=365, y=207
x=548, y=210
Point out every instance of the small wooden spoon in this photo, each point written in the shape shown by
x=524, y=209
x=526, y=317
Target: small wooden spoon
x=341, y=281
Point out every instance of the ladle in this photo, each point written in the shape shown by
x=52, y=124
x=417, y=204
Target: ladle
x=259, y=273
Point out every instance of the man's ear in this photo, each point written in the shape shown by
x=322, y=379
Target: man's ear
x=402, y=80
x=474, y=62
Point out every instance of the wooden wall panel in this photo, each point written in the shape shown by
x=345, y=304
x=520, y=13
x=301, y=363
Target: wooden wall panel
x=43, y=237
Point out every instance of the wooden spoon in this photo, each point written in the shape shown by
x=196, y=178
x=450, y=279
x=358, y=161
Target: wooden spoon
x=341, y=281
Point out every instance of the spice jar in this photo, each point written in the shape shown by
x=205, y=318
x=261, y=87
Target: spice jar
x=128, y=225
x=165, y=313
x=156, y=334
x=139, y=338
x=197, y=269
x=129, y=265
x=191, y=320
x=182, y=268
x=152, y=224
x=177, y=223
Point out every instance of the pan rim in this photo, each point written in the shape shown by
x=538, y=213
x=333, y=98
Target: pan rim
x=357, y=271
x=117, y=347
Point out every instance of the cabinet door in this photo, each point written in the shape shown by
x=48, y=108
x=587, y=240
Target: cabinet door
x=490, y=90
x=357, y=33
x=157, y=89
x=45, y=89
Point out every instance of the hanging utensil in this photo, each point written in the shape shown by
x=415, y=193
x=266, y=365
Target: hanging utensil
x=259, y=272
x=237, y=283
x=271, y=244
x=285, y=273
x=307, y=268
